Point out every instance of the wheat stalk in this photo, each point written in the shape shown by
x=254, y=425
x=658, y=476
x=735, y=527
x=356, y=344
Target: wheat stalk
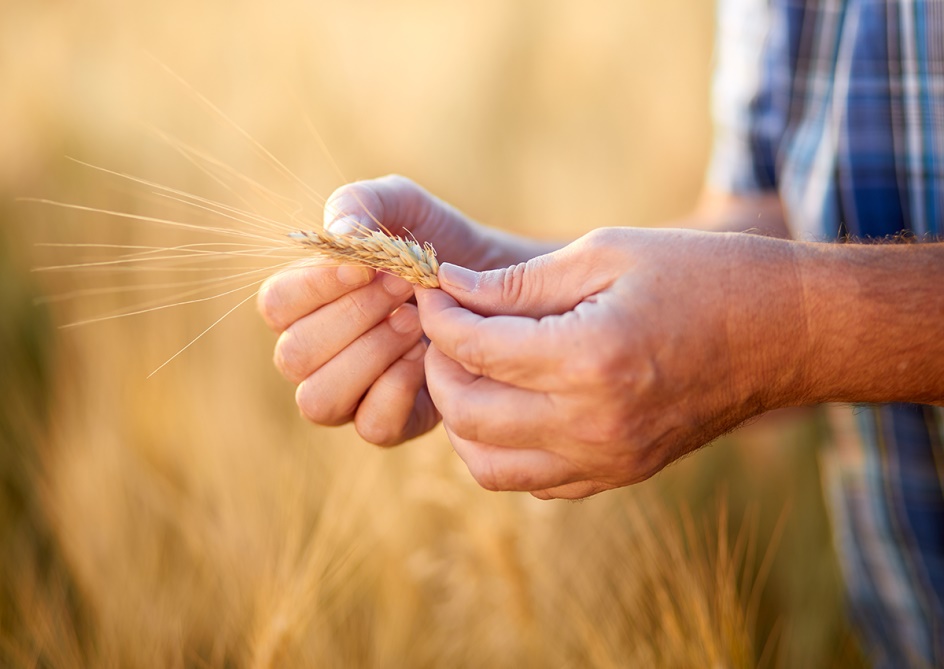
x=389, y=253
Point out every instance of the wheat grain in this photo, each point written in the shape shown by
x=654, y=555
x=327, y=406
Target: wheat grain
x=389, y=253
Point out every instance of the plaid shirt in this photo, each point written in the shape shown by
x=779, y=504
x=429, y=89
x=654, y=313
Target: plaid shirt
x=838, y=105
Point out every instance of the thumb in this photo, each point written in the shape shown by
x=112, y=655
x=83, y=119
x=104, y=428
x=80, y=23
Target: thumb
x=550, y=284
x=361, y=206
x=401, y=207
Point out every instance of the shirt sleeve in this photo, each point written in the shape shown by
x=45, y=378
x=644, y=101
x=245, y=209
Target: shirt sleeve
x=748, y=121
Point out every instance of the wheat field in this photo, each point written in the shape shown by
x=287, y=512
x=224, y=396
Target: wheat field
x=193, y=519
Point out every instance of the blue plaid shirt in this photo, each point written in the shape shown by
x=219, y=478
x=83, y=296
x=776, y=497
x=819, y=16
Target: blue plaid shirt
x=838, y=106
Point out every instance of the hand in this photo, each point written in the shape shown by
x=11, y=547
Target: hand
x=348, y=338
x=596, y=366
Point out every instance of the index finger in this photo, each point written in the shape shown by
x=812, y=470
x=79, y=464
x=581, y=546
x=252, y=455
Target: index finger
x=518, y=350
x=296, y=292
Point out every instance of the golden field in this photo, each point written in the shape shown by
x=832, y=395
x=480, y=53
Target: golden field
x=192, y=519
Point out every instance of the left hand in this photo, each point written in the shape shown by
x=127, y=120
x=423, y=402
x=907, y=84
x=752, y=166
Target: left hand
x=595, y=366
x=348, y=338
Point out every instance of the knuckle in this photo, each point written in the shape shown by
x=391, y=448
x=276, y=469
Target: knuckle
x=269, y=303
x=358, y=200
x=356, y=308
x=291, y=294
x=605, y=424
x=338, y=204
x=610, y=428
x=521, y=479
x=514, y=283
x=461, y=418
x=595, y=364
x=599, y=239
x=317, y=286
x=398, y=182
x=600, y=246
x=369, y=196
x=469, y=351
x=317, y=407
x=407, y=200
x=483, y=471
x=402, y=191
x=289, y=356
x=496, y=479
x=378, y=429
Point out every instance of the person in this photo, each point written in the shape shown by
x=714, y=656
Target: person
x=568, y=370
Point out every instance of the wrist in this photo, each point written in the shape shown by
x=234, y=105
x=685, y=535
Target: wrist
x=768, y=325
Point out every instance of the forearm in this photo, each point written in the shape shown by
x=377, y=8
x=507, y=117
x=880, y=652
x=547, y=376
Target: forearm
x=876, y=315
x=851, y=323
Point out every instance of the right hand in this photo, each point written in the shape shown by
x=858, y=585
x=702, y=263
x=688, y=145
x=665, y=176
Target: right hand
x=348, y=338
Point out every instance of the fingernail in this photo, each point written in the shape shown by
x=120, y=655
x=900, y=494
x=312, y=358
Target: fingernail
x=416, y=353
x=344, y=226
x=353, y=275
x=396, y=286
x=404, y=320
x=460, y=277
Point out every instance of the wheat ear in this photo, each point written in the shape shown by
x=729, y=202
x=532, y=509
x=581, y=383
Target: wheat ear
x=389, y=253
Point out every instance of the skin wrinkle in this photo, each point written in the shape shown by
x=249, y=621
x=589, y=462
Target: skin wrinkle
x=354, y=310
x=519, y=298
x=515, y=279
x=365, y=356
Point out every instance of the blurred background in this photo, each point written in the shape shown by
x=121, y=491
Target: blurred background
x=192, y=518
